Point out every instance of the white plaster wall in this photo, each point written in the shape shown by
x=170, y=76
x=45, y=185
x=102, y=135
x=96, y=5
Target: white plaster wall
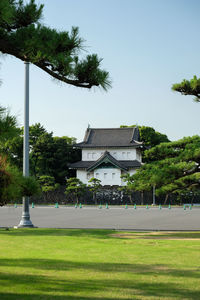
x=83, y=175
x=108, y=179
x=119, y=154
x=138, y=155
x=132, y=171
x=108, y=176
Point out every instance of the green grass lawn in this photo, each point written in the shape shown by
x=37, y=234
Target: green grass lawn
x=98, y=264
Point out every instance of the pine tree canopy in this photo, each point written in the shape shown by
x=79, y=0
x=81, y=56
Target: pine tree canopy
x=189, y=87
x=95, y=184
x=8, y=125
x=173, y=167
x=55, y=52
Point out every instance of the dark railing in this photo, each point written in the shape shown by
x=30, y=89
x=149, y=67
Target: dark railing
x=112, y=196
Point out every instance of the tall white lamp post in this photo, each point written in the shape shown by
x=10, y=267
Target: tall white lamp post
x=25, y=221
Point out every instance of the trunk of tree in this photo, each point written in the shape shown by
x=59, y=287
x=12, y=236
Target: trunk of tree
x=45, y=197
x=142, y=198
x=130, y=198
x=95, y=198
x=166, y=198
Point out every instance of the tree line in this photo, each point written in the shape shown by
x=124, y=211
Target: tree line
x=12, y=184
x=49, y=155
x=49, y=158
x=169, y=167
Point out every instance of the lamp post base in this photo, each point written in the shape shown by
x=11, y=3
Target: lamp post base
x=25, y=225
x=25, y=221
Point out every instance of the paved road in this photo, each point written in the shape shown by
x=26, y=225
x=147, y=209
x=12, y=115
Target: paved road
x=112, y=218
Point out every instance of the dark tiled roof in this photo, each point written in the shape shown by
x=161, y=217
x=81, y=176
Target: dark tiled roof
x=111, y=137
x=125, y=164
x=81, y=164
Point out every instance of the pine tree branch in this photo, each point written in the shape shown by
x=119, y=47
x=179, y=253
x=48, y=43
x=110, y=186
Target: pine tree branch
x=76, y=83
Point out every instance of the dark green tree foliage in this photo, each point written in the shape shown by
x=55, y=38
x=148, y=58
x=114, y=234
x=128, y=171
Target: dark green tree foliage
x=51, y=155
x=173, y=167
x=128, y=189
x=55, y=52
x=189, y=87
x=35, y=131
x=13, y=185
x=94, y=187
x=8, y=125
x=75, y=189
x=8, y=132
x=63, y=155
x=5, y=181
x=48, y=185
x=13, y=149
x=29, y=186
x=152, y=138
x=41, y=155
x=149, y=137
x=48, y=155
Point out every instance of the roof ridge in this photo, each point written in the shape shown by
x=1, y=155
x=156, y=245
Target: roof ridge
x=133, y=133
x=87, y=134
x=109, y=128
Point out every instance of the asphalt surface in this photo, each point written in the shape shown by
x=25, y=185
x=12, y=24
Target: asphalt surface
x=113, y=218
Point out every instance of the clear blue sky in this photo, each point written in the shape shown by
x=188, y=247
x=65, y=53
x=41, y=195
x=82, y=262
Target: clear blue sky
x=146, y=45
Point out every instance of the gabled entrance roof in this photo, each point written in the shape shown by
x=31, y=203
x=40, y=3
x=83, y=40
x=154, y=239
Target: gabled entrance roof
x=106, y=158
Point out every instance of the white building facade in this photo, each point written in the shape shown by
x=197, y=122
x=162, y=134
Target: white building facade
x=107, y=153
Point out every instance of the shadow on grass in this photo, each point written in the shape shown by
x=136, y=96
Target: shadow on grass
x=65, y=265
x=154, y=235
x=146, y=282
x=46, y=287
x=6, y=296
x=98, y=233
x=95, y=233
